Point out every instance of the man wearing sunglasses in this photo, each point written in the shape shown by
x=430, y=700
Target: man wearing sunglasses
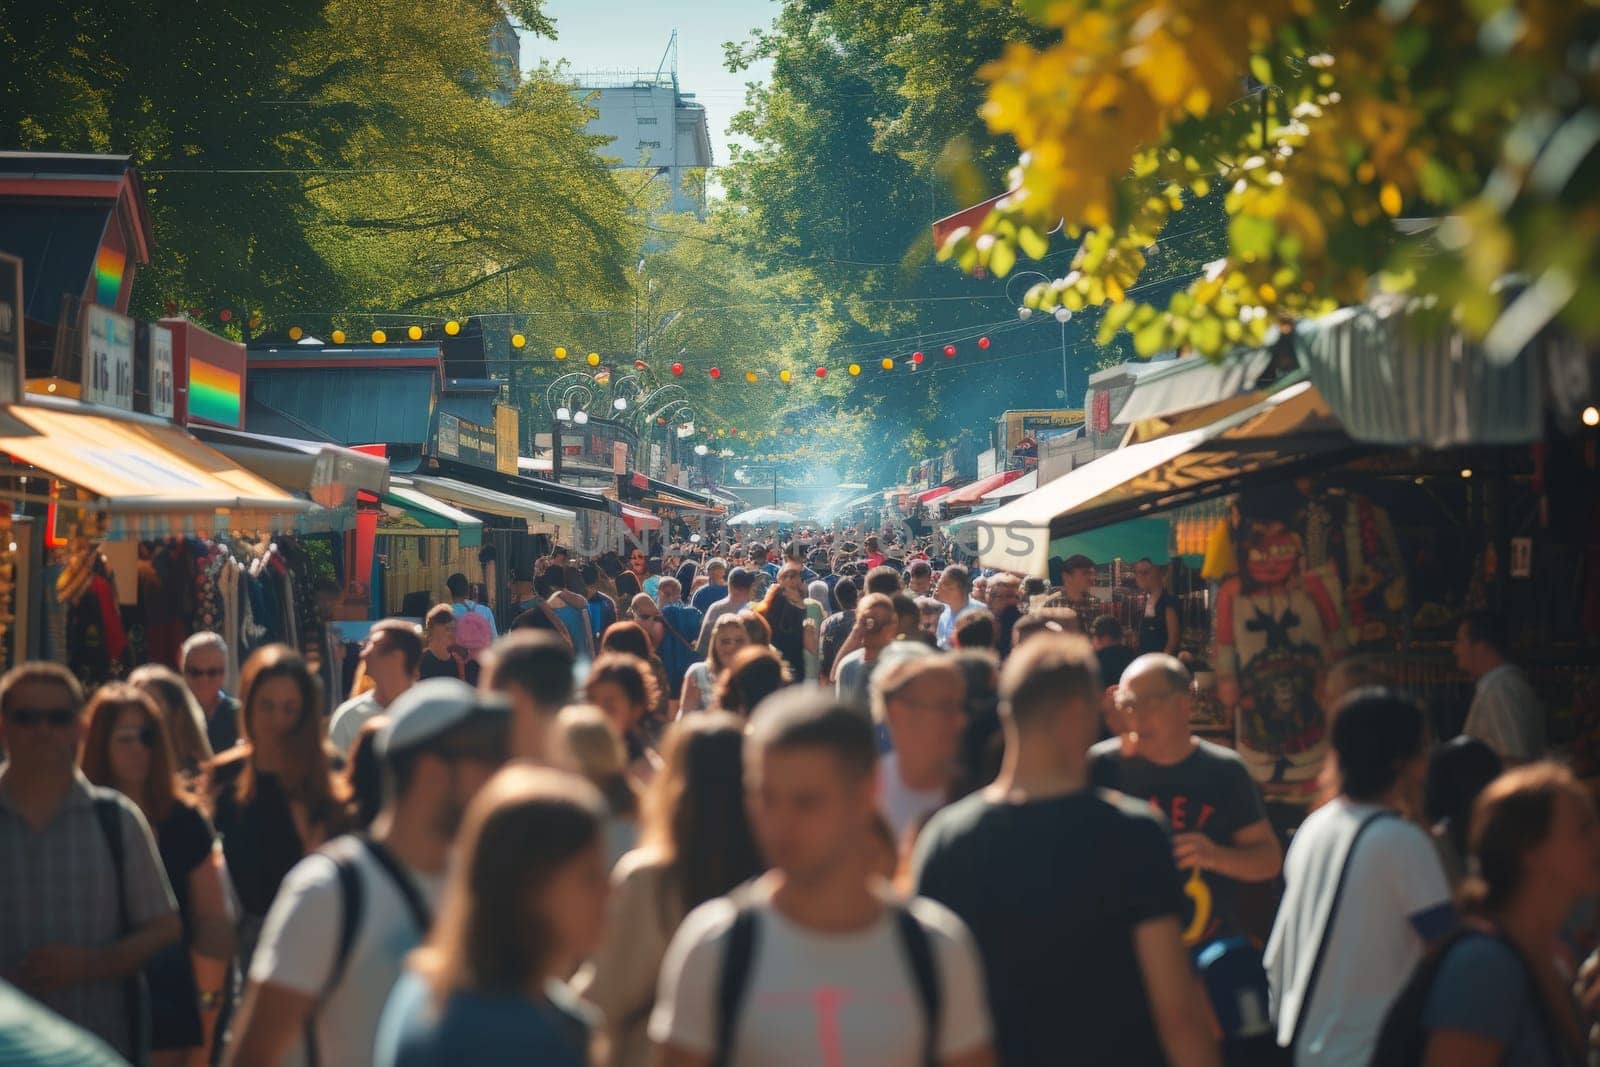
x=204, y=661
x=84, y=899
x=309, y=982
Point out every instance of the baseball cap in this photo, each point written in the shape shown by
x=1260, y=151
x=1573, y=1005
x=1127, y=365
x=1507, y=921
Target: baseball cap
x=430, y=709
x=1077, y=562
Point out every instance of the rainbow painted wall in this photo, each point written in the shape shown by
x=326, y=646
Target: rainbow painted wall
x=109, y=264
x=214, y=393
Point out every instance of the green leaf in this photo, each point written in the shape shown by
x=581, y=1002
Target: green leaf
x=1002, y=257
x=1033, y=244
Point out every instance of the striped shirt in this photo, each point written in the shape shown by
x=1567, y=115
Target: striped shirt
x=58, y=886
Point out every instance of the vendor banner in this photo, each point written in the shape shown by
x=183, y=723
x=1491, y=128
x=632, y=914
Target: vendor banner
x=162, y=395
x=107, y=357
x=506, y=431
x=468, y=442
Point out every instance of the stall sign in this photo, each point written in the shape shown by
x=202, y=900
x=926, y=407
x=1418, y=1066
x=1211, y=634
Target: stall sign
x=214, y=369
x=619, y=457
x=107, y=357
x=162, y=397
x=505, y=438
x=469, y=442
x=1522, y=557
x=12, y=316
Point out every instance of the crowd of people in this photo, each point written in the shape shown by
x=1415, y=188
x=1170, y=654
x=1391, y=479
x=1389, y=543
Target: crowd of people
x=830, y=803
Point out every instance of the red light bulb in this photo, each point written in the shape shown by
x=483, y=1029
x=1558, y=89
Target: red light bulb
x=916, y=357
x=715, y=373
x=677, y=370
x=822, y=372
x=949, y=350
x=983, y=342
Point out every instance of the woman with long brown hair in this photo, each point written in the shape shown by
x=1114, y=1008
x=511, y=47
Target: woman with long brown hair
x=626, y=689
x=697, y=845
x=1498, y=995
x=784, y=609
x=274, y=796
x=525, y=903
x=126, y=748
x=185, y=723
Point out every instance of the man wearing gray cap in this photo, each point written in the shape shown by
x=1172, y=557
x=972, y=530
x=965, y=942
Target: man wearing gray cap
x=346, y=916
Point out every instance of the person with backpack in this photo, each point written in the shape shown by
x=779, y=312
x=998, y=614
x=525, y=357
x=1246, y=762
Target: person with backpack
x=816, y=962
x=1071, y=892
x=84, y=900
x=475, y=627
x=1493, y=994
x=1365, y=893
x=346, y=916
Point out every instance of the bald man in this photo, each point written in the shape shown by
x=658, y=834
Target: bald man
x=1218, y=820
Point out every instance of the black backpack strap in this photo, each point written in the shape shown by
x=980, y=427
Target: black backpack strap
x=420, y=912
x=108, y=812
x=735, y=979
x=1327, y=928
x=352, y=903
x=925, y=972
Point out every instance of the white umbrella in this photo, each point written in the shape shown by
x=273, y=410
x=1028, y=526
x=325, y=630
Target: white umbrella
x=762, y=517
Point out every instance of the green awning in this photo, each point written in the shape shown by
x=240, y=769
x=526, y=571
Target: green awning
x=1134, y=539
x=432, y=514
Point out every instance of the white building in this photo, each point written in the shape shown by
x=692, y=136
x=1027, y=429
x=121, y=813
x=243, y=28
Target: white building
x=505, y=53
x=653, y=127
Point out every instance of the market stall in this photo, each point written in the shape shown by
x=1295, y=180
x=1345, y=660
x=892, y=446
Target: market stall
x=1308, y=525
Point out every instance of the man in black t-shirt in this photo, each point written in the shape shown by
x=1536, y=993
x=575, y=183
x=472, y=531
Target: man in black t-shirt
x=1220, y=832
x=1070, y=892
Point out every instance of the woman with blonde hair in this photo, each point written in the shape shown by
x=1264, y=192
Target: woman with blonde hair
x=126, y=748
x=524, y=905
x=697, y=845
x=181, y=716
x=586, y=743
x=728, y=638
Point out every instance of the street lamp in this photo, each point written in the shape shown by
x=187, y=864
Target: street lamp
x=1062, y=315
x=701, y=449
x=620, y=403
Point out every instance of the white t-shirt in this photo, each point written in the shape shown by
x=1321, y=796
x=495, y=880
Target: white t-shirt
x=300, y=939
x=903, y=806
x=349, y=718
x=949, y=618
x=1506, y=715
x=815, y=998
x=1394, y=875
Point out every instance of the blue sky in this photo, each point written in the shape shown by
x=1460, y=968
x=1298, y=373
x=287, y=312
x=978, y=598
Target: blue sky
x=631, y=35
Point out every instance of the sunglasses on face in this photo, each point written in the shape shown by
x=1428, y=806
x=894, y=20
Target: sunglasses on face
x=204, y=672
x=60, y=718
x=145, y=735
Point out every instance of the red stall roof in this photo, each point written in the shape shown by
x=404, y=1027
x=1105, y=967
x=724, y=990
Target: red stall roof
x=973, y=493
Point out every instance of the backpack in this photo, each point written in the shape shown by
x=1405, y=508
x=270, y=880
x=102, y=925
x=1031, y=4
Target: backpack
x=1402, y=1040
x=108, y=810
x=473, y=630
x=740, y=955
x=344, y=854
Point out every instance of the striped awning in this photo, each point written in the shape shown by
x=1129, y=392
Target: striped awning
x=1398, y=373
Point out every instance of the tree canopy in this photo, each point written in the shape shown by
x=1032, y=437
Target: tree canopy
x=1321, y=125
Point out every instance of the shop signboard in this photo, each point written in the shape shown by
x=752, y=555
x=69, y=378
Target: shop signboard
x=505, y=438
x=211, y=373
x=107, y=357
x=619, y=457
x=469, y=442
x=1013, y=426
x=12, y=347
x=162, y=396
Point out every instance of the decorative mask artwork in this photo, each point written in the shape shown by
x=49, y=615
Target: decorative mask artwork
x=1278, y=628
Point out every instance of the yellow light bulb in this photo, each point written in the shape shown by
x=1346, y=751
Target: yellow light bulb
x=854, y=369
x=784, y=376
x=338, y=337
x=452, y=327
x=295, y=333
x=1591, y=416
x=414, y=332
x=379, y=337
x=594, y=359
x=887, y=364
x=750, y=376
x=517, y=340
x=561, y=353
